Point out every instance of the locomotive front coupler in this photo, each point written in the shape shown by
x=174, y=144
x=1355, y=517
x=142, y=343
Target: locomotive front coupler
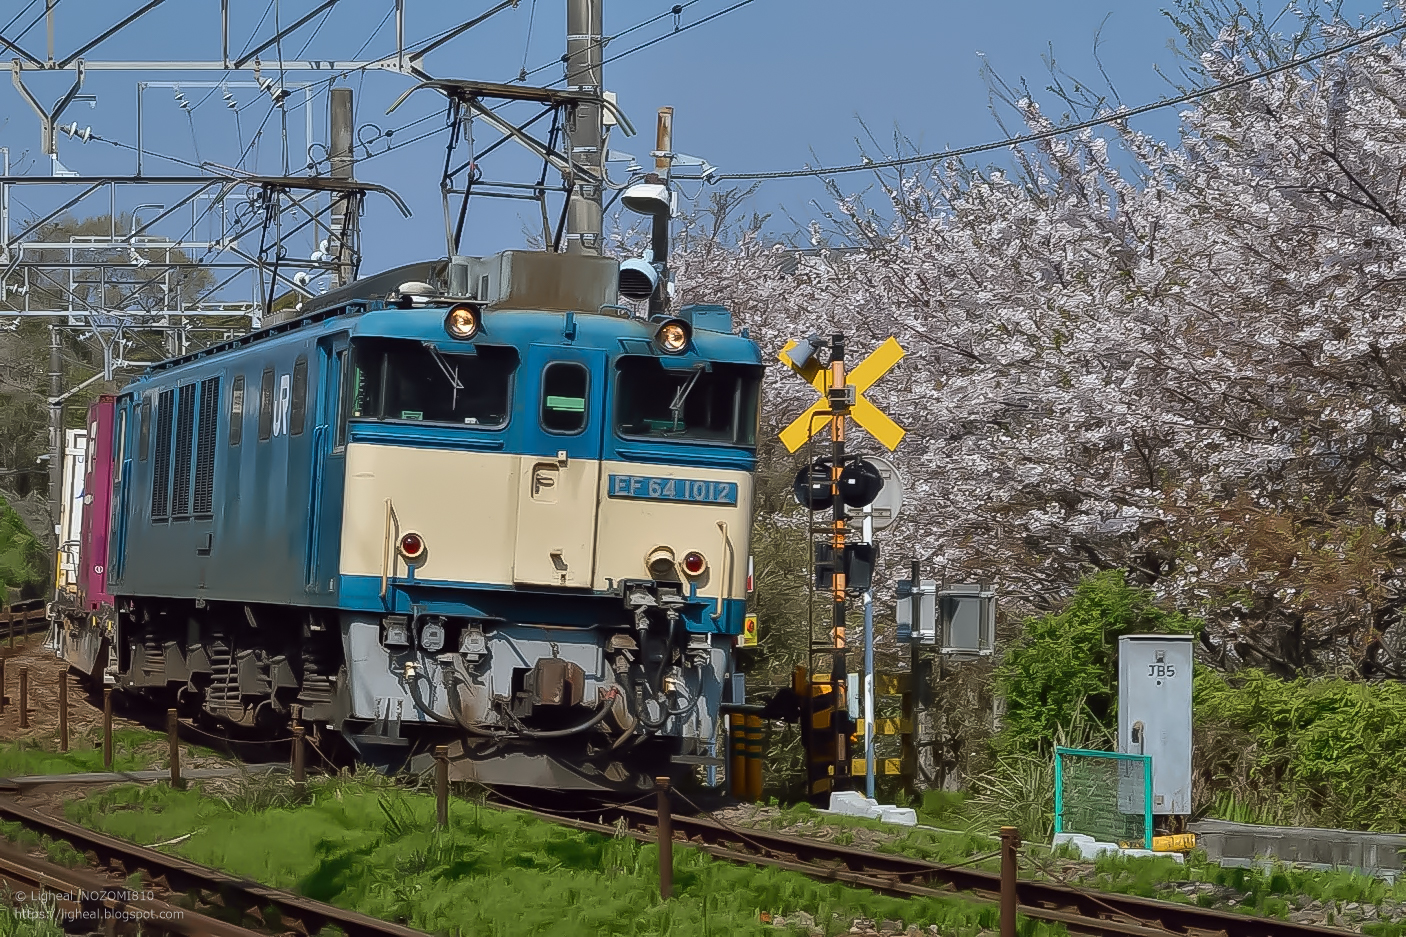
x=647, y=599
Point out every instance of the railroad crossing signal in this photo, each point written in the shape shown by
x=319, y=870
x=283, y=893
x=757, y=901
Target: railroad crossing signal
x=879, y=362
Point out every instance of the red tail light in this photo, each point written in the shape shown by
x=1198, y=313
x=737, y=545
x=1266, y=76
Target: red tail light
x=412, y=546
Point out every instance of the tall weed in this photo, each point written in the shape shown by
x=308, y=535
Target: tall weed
x=1018, y=790
x=492, y=871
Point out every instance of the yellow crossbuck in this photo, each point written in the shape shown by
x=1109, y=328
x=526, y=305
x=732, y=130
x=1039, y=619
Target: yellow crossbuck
x=864, y=413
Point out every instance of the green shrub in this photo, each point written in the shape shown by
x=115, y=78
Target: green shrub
x=1316, y=752
x=1064, y=665
x=23, y=561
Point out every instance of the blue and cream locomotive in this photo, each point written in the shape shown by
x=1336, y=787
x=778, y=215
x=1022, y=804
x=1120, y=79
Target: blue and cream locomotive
x=472, y=503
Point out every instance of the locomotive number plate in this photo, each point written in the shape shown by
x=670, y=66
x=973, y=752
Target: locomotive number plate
x=651, y=488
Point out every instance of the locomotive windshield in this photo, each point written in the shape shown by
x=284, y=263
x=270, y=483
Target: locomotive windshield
x=400, y=379
x=717, y=406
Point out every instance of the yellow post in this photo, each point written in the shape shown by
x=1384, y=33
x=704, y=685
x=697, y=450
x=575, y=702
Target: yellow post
x=754, y=758
x=737, y=769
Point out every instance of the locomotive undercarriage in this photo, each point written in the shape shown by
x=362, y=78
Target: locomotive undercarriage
x=606, y=708
x=241, y=664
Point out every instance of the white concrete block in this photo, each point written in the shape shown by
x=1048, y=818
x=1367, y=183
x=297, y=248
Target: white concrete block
x=853, y=804
x=1090, y=848
x=903, y=816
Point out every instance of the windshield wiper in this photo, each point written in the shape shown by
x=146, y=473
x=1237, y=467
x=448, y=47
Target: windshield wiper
x=676, y=407
x=451, y=374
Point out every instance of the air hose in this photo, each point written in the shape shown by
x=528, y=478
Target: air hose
x=586, y=726
x=521, y=732
x=413, y=679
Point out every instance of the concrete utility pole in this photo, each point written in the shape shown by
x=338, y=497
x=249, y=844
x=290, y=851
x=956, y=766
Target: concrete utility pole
x=659, y=243
x=585, y=134
x=346, y=217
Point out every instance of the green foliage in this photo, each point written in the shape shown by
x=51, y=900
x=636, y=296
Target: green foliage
x=132, y=750
x=1064, y=665
x=1316, y=752
x=1265, y=892
x=27, y=917
x=376, y=850
x=23, y=560
x=1018, y=790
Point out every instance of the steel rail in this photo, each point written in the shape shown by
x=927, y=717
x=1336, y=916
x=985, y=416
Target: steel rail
x=1080, y=910
x=185, y=876
x=83, y=895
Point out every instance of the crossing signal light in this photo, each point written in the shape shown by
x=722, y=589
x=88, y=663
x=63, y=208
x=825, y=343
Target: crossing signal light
x=813, y=488
x=856, y=561
x=859, y=484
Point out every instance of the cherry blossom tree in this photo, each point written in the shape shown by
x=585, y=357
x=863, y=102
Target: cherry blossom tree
x=1184, y=359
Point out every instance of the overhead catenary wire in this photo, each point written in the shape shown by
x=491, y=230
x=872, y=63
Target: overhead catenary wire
x=1122, y=114
x=35, y=21
x=527, y=43
x=678, y=29
x=673, y=11
x=316, y=89
x=15, y=19
x=603, y=41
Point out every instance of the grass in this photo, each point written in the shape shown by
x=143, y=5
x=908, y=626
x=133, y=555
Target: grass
x=1274, y=892
x=363, y=845
x=932, y=845
x=132, y=750
x=27, y=918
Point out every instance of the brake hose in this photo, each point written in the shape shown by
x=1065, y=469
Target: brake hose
x=589, y=724
x=414, y=680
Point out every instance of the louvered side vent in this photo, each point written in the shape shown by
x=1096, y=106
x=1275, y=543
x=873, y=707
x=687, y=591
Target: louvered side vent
x=205, y=448
x=161, y=460
x=185, y=432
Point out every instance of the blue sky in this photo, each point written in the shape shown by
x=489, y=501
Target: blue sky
x=775, y=84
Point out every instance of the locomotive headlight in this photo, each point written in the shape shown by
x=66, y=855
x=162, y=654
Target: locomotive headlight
x=462, y=321
x=672, y=336
x=660, y=563
x=411, y=546
x=694, y=564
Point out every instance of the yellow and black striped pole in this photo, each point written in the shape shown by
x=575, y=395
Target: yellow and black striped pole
x=737, y=763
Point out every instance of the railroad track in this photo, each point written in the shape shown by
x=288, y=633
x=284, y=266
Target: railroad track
x=1080, y=910
x=84, y=897
x=200, y=884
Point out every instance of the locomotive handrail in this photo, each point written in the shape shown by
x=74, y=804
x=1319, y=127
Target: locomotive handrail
x=386, y=552
x=725, y=587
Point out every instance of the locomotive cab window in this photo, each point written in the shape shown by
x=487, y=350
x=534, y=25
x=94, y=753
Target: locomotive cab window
x=266, y=406
x=144, y=431
x=565, y=386
x=298, y=413
x=698, y=405
x=236, y=411
x=400, y=379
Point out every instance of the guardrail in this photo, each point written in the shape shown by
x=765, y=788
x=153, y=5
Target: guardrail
x=23, y=618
